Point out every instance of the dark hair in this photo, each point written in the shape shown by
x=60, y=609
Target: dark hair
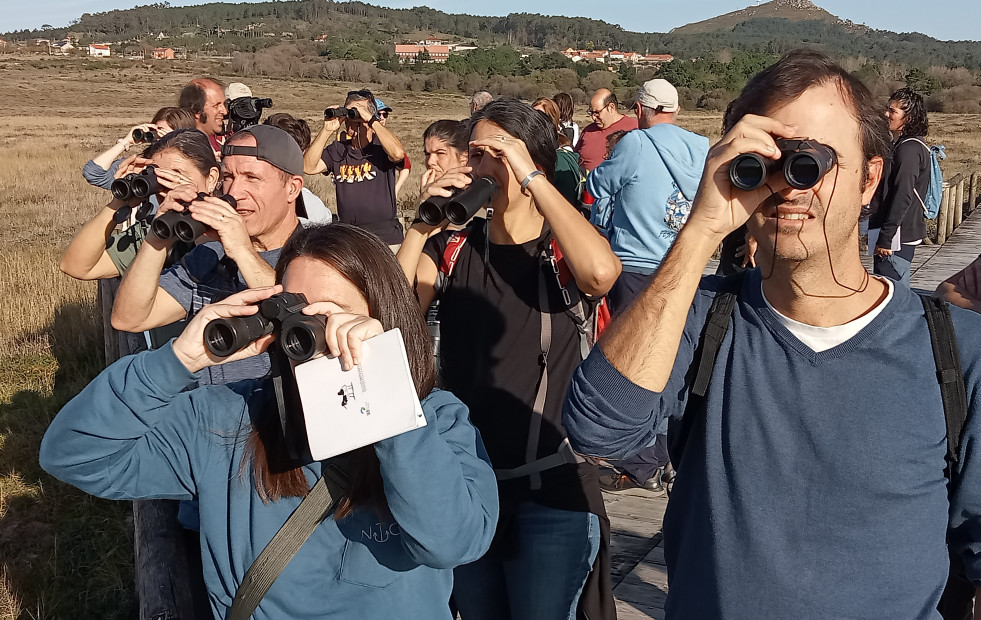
x=297, y=128
x=799, y=70
x=192, y=144
x=614, y=138
x=363, y=95
x=177, y=118
x=552, y=112
x=365, y=261
x=527, y=124
x=567, y=107
x=916, y=124
x=454, y=133
x=193, y=97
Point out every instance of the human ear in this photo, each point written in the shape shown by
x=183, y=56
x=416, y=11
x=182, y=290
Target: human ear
x=873, y=176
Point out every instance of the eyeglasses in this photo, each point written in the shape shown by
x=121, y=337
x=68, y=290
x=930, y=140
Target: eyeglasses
x=383, y=114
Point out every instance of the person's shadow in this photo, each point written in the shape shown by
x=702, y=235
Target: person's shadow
x=64, y=553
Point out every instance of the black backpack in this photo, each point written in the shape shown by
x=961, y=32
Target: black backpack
x=957, y=601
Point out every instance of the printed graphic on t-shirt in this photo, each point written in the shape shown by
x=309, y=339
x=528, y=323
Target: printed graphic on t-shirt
x=347, y=173
x=676, y=211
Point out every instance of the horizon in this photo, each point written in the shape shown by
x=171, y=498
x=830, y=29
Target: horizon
x=904, y=16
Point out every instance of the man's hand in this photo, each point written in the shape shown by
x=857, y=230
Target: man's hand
x=225, y=224
x=747, y=251
x=363, y=110
x=719, y=208
x=883, y=252
x=331, y=125
x=189, y=346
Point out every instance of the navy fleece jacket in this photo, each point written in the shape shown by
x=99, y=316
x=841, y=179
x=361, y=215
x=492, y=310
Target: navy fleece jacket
x=139, y=431
x=812, y=484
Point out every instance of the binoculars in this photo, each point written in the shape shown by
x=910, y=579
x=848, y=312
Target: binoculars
x=460, y=207
x=141, y=186
x=804, y=164
x=140, y=135
x=301, y=337
x=180, y=224
x=350, y=113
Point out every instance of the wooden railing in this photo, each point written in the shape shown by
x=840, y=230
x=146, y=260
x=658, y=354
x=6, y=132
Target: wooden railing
x=165, y=586
x=960, y=198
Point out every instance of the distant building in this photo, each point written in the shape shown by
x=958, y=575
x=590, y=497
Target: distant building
x=161, y=36
x=99, y=50
x=656, y=59
x=409, y=53
x=62, y=47
x=615, y=56
x=163, y=53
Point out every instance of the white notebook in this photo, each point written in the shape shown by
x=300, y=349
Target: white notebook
x=375, y=400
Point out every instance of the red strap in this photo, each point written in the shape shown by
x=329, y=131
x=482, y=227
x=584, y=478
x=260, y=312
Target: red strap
x=452, y=251
x=565, y=274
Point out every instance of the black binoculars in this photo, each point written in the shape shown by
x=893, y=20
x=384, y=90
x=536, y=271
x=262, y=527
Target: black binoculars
x=180, y=224
x=140, y=135
x=460, y=207
x=141, y=186
x=804, y=164
x=350, y=113
x=301, y=337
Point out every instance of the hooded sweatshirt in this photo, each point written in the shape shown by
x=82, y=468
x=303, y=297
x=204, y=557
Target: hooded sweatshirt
x=649, y=182
x=143, y=429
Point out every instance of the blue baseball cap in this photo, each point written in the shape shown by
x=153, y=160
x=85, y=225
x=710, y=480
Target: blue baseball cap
x=380, y=105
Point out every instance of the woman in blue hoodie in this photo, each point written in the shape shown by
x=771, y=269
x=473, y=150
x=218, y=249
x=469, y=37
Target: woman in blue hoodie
x=418, y=505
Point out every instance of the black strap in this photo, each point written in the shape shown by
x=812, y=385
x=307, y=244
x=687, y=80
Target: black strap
x=714, y=332
x=949, y=375
x=314, y=508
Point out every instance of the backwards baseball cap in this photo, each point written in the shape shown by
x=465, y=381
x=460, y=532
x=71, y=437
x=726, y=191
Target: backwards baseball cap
x=658, y=93
x=273, y=145
x=381, y=105
x=236, y=90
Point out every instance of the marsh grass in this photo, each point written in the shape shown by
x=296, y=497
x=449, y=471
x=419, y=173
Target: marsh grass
x=64, y=554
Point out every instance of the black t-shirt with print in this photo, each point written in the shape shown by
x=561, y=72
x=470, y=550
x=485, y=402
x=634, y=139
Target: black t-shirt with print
x=490, y=351
x=365, y=184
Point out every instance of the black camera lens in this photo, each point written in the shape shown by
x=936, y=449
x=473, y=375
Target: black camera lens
x=465, y=205
x=224, y=337
x=303, y=337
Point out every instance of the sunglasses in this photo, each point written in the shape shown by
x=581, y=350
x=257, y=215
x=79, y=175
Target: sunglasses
x=383, y=114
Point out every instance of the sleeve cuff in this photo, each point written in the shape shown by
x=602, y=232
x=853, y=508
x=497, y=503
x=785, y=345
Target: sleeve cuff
x=620, y=392
x=164, y=373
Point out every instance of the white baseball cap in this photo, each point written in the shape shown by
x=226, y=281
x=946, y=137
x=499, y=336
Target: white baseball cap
x=658, y=93
x=236, y=90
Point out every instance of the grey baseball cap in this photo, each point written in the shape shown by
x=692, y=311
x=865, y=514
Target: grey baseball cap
x=273, y=145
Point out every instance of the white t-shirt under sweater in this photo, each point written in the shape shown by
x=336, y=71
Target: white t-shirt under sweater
x=823, y=338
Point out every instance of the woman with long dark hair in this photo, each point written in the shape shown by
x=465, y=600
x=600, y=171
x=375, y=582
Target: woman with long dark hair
x=417, y=505
x=897, y=221
x=513, y=311
x=182, y=157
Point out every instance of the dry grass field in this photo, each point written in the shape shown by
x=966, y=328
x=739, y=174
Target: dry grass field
x=62, y=553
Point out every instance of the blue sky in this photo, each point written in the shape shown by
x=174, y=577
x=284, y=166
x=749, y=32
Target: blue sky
x=945, y=19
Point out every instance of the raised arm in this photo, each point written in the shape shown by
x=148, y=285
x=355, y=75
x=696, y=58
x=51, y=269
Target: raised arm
x=313, y=162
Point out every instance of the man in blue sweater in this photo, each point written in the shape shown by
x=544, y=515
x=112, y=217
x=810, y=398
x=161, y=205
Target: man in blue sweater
x=648, y=182
x=811, y=474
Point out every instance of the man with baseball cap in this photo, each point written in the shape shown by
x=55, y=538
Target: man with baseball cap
x=402, y=171
x=262, y=171
x=648, y=184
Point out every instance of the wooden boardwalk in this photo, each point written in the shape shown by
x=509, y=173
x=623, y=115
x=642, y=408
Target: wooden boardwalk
x=640, y=578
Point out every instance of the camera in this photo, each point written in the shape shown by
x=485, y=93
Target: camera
x=148, y=135
x=141, y=186
x=244, y=112
x=301, y=337
x=804, y=164
x=180, y=224
x=460, y=207
x=349, y=113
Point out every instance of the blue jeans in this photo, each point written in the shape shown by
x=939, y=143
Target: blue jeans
x=897, y=266
x=535, y=570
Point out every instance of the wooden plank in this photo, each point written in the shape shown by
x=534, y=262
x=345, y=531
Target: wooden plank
x=959, y=204
x=961, y=249
x=972, y=202
x=942, y=216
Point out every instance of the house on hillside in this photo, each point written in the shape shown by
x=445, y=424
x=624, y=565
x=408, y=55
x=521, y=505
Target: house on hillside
x=161, y=36
x=409, y=53
x=62, y=47
x=99, y=50
x=163, y=53
x=656, y=59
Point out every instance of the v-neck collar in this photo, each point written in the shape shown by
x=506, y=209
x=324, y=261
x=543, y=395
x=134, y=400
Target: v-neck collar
x=752, y=294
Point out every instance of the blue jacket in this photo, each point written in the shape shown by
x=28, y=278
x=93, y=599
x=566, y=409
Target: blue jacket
x=98, y=176
x=142, y=430
x=811, y=485
x=645, y=189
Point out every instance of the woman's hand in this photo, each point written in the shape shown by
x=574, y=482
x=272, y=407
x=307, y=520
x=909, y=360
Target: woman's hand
x=512, y=151
x=444, y=186
x=189, y=346
x=747, y=251
x=171, y=179
x=128, y=138
x=346, y=332
x=883, y=252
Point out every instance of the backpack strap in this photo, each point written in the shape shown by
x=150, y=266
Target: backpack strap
x=451, y=254
x=949, y=375
x=300, y=525
x=714, y=332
